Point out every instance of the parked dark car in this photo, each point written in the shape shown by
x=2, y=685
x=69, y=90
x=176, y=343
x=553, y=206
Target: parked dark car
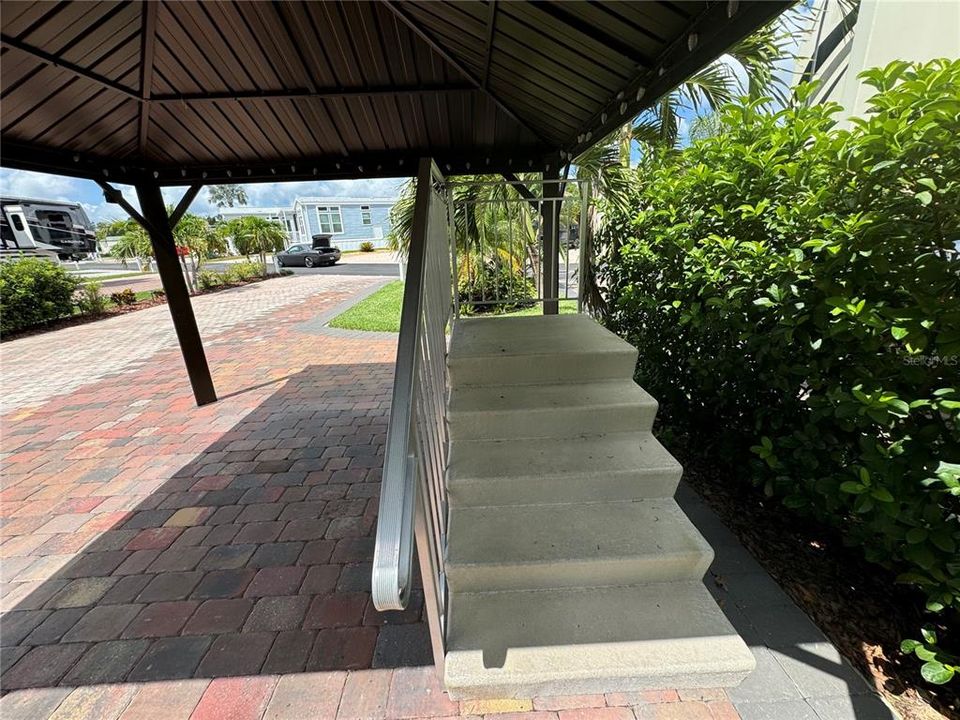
x=303, y=256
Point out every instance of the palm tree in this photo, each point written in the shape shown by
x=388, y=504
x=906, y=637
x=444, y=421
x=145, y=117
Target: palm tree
x=133, y=240
x=495, y=229
x=258, y=235
x=195, y=234
x=227, y=195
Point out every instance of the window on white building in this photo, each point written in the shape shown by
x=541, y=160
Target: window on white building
x=330, y=220
x=365, y=216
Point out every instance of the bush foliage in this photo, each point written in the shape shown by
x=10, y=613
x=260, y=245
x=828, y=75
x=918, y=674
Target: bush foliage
x=234, y=273
x=495, y=285
x=89, y=300
x=124, y=297
x=792, y=285
x=33, y=292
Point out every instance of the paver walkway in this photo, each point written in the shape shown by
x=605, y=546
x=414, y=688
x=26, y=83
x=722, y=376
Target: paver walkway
x=161, y=560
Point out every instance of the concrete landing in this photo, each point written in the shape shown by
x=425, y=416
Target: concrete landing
x=536, y=349
x=552, y=642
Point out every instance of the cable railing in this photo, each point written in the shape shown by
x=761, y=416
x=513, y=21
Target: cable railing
x=498, y=235
x=413, y=500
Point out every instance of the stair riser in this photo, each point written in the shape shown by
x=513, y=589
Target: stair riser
x=649, y=483
x=542, y=369
x=659, y=568
x=502, y=685
x=550, y=422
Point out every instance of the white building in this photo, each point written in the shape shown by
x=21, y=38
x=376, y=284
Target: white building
x=849, y=38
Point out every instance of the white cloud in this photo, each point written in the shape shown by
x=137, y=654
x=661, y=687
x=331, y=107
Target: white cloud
x=23, y=183
x=284, y=194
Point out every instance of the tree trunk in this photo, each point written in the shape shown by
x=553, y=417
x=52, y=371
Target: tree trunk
x=186, y=273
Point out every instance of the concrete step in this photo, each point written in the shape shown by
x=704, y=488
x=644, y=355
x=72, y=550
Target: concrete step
x=615, y=466
x=557, y=411
x=527, y=547
x=540, y=349
x=590, y=640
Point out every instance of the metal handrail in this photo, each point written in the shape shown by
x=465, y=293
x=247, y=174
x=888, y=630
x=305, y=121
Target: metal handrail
x=413, y=489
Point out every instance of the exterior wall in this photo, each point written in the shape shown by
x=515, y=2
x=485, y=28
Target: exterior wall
x=354, y=231
x=884, y=30
x=302, y=221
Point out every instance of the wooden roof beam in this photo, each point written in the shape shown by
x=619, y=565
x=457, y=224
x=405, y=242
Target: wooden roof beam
x=308, y=93
x=401, y=14
x=148, y=41
x=491, y=28
x=50, y=59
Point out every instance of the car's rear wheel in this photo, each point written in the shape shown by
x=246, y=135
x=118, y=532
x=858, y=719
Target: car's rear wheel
x=308, y=262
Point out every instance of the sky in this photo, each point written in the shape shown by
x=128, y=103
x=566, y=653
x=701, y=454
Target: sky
x=23, y=183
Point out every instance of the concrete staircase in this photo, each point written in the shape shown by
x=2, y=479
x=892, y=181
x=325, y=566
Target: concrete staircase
x=570, y=567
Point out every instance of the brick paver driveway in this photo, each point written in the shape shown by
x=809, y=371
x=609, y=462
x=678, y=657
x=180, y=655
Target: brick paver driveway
x=146, y=539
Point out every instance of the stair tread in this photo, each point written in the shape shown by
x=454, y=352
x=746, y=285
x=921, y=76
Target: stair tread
x=533, y=398
x=586, y=639
x=594, y=455
x=535, y=335
x=652, y=528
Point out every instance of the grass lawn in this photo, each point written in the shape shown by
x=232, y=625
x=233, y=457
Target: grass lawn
x=378, y=312
x=117, y=276
x=381, y=311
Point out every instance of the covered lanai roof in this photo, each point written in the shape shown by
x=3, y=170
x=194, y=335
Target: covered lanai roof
x=219, y=92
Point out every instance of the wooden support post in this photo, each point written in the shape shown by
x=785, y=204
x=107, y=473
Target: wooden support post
x=550, y=227
x=174, y=285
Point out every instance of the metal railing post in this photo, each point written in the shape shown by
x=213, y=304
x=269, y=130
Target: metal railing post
x=583, y=234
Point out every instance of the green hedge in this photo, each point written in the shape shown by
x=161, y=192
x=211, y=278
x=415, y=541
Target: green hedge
x=34, y=292
x=792, y=286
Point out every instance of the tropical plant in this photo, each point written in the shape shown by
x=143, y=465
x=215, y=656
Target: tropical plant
x=88, y=299
x=133, y=242
x=367, y=247
x=32, y=292
x=200, y=239
x=496, y=232
x=246, y=270
x=227, y=195
x=794, y=291
x=124, y=297
x=209, y=279
x=938, y=667
x=257, y=235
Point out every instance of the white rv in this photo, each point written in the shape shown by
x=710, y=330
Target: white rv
x=46, y=228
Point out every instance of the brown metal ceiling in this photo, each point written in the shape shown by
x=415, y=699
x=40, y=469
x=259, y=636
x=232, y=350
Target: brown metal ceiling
x=225, y=91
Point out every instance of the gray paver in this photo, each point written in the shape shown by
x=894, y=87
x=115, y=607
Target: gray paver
x=782, y=710
x=769, y=681
x=859, y=707
x=818, y=670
